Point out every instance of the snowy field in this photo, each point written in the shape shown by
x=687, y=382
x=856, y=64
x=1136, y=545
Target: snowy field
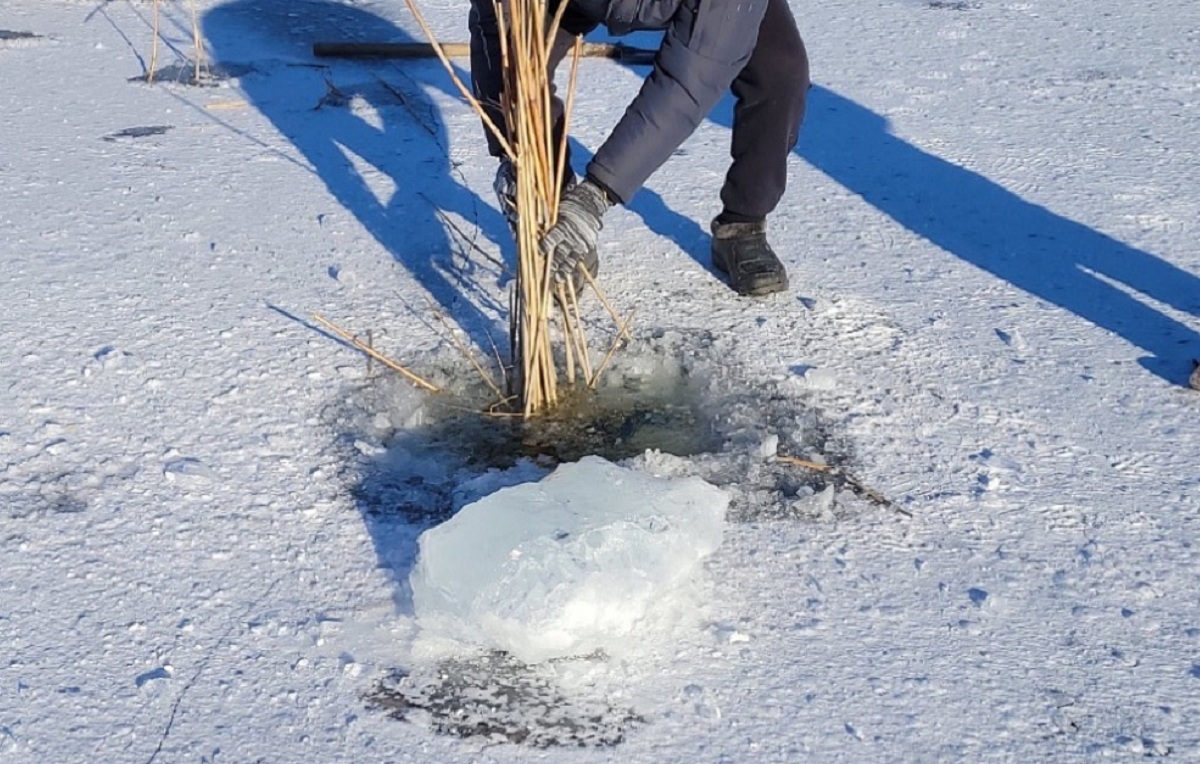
x=209, y=508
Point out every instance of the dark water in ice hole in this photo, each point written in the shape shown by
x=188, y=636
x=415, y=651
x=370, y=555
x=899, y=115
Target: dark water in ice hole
x=615, y=422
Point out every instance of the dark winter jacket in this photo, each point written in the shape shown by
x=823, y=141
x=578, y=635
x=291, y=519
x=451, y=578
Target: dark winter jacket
x=705, y=45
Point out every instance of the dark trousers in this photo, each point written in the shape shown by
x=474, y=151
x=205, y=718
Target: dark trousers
x=769, y=97
x=770, y=94
x=487, y=70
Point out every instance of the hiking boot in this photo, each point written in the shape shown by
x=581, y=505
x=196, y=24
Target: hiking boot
x=741, y=251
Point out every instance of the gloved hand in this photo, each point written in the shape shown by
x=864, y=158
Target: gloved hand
x=570, y=244
x=505, y=186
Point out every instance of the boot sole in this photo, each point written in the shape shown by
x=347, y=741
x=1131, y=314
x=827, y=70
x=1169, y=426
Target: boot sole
x=757, y=290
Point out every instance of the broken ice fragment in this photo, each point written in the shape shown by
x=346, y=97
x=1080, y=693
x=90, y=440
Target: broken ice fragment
x=588, y=559
x=188, y=471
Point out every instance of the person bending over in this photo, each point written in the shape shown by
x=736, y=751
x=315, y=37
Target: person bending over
x=709, y=47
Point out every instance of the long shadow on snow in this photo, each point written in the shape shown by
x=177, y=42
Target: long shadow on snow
x=1045, y=254
x=376, y=111
x=1056, y=259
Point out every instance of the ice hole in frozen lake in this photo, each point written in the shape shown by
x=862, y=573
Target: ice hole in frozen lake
x=677, y=402
x=646, y=401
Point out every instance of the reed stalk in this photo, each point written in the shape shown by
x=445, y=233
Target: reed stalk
x=527, y=35
x=153, y=44
x=201, y=62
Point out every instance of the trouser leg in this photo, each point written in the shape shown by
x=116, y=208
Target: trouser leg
x=487, y=68
x=770, y=94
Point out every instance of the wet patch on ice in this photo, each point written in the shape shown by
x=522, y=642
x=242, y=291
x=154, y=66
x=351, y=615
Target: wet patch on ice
x=496, y=697
x=185, y=73
x=141, y=131
x=676, y=404
x=952, y=5
x=17, y=39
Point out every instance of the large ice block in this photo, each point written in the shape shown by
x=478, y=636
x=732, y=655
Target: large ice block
x=581, y=561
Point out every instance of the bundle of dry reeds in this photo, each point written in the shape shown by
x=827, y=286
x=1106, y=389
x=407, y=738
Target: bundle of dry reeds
x=527, y=38
x=528, y=34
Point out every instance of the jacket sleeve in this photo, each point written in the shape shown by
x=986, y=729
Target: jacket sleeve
x=705, y=47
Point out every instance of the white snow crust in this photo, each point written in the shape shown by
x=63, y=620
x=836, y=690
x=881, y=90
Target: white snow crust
x=991, y=230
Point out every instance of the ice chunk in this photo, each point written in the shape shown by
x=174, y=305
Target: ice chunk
x=590, y=558
x=769, y=446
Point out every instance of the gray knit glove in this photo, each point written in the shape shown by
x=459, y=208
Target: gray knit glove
x=505, y=186
x=570, y=244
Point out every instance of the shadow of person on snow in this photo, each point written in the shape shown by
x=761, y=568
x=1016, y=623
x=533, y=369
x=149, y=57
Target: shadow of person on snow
x=358, y=127
x=1051, y=257
x=366, y=126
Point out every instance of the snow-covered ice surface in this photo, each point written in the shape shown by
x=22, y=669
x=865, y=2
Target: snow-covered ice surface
x=209, y=509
